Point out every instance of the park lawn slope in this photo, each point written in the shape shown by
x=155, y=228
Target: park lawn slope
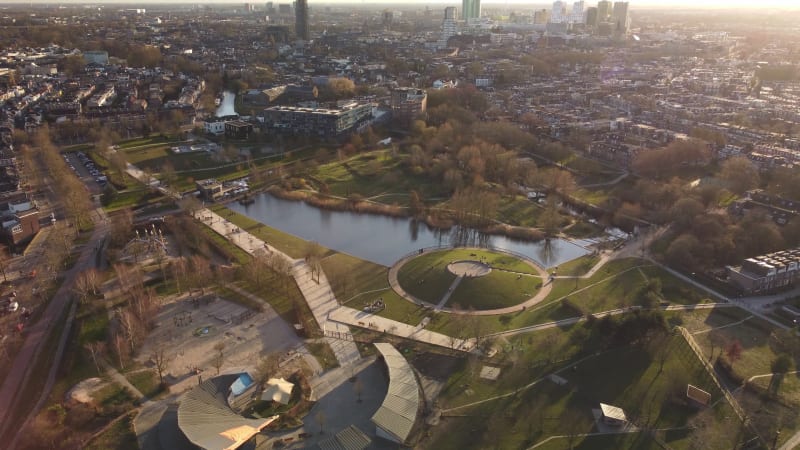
x=495, y=290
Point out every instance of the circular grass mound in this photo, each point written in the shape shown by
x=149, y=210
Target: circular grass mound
x=506, y=281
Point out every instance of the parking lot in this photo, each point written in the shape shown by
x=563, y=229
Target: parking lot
x=87, y=171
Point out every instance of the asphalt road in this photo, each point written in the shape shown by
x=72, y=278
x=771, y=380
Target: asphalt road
x=36, y=336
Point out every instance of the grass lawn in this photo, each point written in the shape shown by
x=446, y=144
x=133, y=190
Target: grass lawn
x=676, y=290
x=582, y=230
x=356, y=282
x=578, y=267
x=519, y=210
x=352, y=279
x=112, y=394
x=145, y=153
x=789, y=388
x=753, y=334
x=285, y=242
x=496, y=290
x=617, y=284
x=427, y=278
x=639, y=441
x=241, y=256
x=127, y=198
x=146, y=381
x=324, y=354
x=119, y=436
x=629, y=377
x=375, y=174
x=137, y=142
x=595, y=196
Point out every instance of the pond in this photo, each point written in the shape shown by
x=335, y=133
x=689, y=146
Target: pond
x=384, y=240
x=226, y=106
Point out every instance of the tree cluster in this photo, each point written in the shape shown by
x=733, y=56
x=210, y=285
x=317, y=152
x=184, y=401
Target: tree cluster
x=70, y=190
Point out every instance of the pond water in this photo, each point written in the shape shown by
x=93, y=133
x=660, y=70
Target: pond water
x=226, y=106
x=384, y=240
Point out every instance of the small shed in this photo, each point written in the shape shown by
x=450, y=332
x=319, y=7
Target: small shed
x=613, y=415
x=278, y=390
x=700, y=396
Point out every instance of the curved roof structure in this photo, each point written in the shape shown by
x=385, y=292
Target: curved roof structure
x=397, y=414
x=208, y=422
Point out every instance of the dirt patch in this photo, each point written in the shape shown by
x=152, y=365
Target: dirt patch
x=82, y=392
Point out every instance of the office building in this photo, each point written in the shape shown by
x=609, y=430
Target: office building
x=603, y=10
x=319, y=122
x=541, y=17
x=408, y=104
x=449, y=26
x=577, y=15
x=470, y=9
x=767, y=273
x=387, y=18
x=620, y=18
x=591, y=16
x=559, y=12
x=301, y=19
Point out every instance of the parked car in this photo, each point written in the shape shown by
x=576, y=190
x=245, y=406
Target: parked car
x=13, y=306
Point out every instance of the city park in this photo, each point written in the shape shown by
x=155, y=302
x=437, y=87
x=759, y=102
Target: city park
x=600, y=328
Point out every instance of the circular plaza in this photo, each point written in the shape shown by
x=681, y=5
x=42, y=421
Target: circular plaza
x=470, y=280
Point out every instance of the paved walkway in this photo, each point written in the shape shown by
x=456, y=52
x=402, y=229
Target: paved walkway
x=541, y=295
x=362, y=319
x=449, y=292
x=316, y=290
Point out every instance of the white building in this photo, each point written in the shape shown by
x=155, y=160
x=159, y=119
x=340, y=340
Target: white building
x=449, y=26
x=578, y=14
x=559, y=13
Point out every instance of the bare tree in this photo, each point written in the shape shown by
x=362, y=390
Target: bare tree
x=178, y=269
x=96, y=350
x=267, y=367
x=283, y=268
x=161, y=359
x=358, y=387
x=190, y=204
x=120, y=347
x=219, y=357
x=86, y=283
x=313, y=256
x=5, y=260
x=257, y=268
x=321, y=418
x=131, y=328
x=199, y=272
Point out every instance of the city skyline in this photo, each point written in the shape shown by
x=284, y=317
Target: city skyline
x=705, y=4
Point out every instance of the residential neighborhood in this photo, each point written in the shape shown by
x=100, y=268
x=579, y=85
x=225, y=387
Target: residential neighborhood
x=462, y=225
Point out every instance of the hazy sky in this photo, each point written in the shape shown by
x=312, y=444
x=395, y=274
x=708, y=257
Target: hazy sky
x=738, y=4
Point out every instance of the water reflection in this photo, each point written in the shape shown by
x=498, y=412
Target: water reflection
x=382, y=239
x=227, y=105
x=413, y=227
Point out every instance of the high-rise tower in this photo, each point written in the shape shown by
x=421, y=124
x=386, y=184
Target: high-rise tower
x=603, y=10
x=449, y=26
x=470, y=9
x=301, y=19
x=620, y=18
x=559, y=13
